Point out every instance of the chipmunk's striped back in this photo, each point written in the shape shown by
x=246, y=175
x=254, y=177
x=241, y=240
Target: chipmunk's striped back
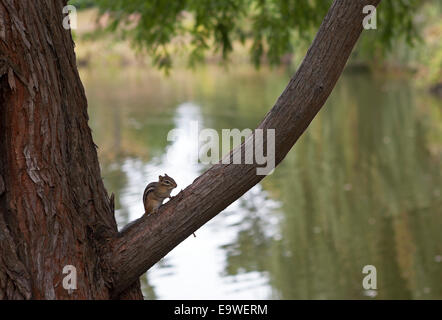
x=149, y=188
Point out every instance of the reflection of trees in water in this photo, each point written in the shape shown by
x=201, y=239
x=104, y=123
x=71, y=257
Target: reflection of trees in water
x=115, y=181
x=360, y=188
x=249, y=251
x=147, y=289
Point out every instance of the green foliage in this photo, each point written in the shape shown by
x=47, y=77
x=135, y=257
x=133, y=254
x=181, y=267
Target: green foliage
x=395, y=21
x=270, y=28
x=82, y=4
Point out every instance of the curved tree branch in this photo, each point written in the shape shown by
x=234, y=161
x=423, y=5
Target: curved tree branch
x=151, y=237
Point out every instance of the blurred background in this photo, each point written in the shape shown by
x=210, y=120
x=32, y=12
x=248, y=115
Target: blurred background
x=362, y=186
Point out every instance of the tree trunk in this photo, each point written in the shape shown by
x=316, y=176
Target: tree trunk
x=54, y=209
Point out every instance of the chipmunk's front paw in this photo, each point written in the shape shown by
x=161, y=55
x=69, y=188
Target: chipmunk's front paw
x=154, y=211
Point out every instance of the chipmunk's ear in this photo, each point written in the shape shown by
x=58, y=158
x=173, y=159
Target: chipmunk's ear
x=165, y=175
x=160, y=178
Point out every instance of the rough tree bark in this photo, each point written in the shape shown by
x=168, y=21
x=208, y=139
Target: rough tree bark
x=54, y=209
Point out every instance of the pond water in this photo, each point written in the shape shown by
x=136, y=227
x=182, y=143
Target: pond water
x=361, y=187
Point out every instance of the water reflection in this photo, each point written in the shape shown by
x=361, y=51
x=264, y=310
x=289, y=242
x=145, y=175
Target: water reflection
x=184, y=262
x=362, y=186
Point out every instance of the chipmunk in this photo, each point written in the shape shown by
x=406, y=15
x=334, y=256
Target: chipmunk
x=154, y=195
x=156, y=192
